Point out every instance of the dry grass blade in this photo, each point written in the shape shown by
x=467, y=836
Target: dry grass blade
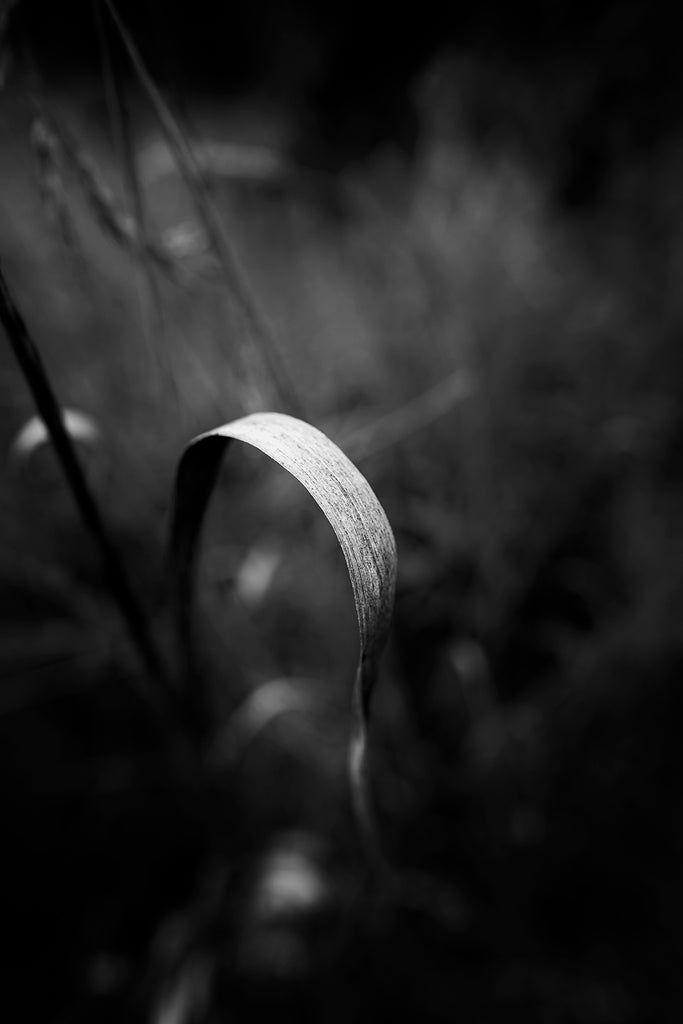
x=361, y=527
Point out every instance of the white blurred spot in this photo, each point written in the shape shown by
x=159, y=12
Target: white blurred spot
x=261, y=707
x=469, y=663
x=255, y=574
x=185, y=240
x=292, y=883
x=34, y=433
x=289, y=902
x=229, y=160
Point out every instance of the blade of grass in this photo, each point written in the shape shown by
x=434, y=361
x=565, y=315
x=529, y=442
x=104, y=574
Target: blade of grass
x=157, y=692
x=261, y=341
x=365, y=537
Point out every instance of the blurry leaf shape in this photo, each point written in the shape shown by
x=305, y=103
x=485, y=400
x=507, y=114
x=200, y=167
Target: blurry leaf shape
x=34, y=433
x=185, y=240
x=256, y=574
x=470, y=665
x=186, y=1000
x=361, y=527
x=257, y=711
x=286, y=919
x=232, y=160
x=291, y=880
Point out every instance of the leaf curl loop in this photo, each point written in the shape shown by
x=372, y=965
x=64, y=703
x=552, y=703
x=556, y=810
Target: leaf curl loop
x=362, y=529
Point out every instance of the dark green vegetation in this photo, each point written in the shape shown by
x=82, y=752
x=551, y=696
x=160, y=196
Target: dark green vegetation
x=525, y=738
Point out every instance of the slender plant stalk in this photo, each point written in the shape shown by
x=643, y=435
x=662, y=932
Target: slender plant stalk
x=120, y=120
x=157, y=693
x=256, y=326
x=118, y=114
x=407, y=419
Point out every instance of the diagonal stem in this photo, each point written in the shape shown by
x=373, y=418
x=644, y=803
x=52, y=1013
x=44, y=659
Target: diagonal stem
x=157, y=694
x=257, y=330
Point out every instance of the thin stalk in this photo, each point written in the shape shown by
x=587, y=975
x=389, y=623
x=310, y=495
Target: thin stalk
x=118, y=114
x=407, y=419
x=157, y=694
x=256, y=326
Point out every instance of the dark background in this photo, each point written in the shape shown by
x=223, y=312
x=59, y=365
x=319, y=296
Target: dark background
x=581, y=86
x=502, y=194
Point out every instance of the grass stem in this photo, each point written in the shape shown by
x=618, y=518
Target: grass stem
x=157, y=693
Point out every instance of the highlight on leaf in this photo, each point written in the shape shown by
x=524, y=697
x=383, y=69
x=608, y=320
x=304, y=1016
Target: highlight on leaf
x=362, y=529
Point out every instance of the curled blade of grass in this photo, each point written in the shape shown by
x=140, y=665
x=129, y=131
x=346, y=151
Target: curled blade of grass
x=362, y=529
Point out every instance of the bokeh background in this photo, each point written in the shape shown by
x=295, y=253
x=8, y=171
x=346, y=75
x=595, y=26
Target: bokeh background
x=463, y=227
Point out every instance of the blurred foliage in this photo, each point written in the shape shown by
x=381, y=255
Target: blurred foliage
x=526, y=761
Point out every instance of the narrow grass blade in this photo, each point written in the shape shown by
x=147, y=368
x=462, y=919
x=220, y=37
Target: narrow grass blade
x=361, y=527
x=401, y=423
x=154, y=326
x=31, y=365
